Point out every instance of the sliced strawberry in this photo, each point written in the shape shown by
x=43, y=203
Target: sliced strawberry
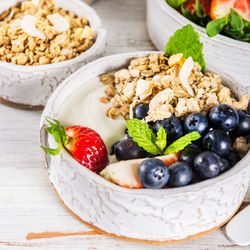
x=170, y=159
x=85, y=144
x=190, y=4
x=123, y=173
x=220, y=8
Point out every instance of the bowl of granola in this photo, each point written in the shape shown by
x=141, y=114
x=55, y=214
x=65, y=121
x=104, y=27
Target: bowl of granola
x=128, y=160
x=227, y=53
x=43, y=42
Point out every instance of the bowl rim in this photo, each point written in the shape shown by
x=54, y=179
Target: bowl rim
x=177, y=191
x=179, y=18
x=100, y=38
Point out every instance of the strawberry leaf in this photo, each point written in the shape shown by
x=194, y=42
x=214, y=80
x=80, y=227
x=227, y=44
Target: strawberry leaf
x=181, y=143
x=175, y=3
x=59, y=134
x=161, y=139
x=143, y=136
x=216, y=26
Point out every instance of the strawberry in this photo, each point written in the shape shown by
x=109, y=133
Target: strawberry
x=85, y=144
x=124, y=173
x=220, y=8
x=190, y=4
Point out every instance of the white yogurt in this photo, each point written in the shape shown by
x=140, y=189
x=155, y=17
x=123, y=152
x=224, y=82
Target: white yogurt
x=84, y=108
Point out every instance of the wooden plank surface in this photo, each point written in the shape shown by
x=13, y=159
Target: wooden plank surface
x=31, y=216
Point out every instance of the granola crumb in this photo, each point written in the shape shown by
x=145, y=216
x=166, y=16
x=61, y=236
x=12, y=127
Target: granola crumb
x=241, y=145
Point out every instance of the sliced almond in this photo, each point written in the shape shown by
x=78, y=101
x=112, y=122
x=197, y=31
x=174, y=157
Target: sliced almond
x=66, y=52
x=29, y=26
x=143, y=89
x=184, y=74
x=176, y=59
x=60, y=23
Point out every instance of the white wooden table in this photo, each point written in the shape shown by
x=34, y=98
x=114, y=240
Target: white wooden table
x=31, y=215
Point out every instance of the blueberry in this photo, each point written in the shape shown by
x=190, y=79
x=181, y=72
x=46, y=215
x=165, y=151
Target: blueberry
x=180, y=174
x=244, y=123
x=224, y=165
x=196, y=178
x=153, y=173
x=188, y=154
x=128, y=149
x=141, y=110
x=196, y=122
x=224, y=117
x=217, y=141
x=112, y=150
x=233, y=157
x=172, y=126
x=207, y=164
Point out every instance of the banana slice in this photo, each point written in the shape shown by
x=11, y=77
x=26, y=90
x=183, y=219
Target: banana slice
x=28, y=25
x=185, y=73
x=60, y=23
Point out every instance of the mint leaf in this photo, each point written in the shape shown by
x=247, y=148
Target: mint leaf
x=186, y=41
x=143, y=136
x=175, y=3
x=216, y=26
x=161, y=139
x=181, y=143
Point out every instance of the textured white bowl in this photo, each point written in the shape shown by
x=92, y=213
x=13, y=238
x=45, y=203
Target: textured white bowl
x=155, y=216
x=226, y=54
x=32, y=85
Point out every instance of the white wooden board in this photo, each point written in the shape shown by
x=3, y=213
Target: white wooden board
x=28, y=204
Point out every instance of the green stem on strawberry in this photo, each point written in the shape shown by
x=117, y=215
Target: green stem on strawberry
x=59, y=134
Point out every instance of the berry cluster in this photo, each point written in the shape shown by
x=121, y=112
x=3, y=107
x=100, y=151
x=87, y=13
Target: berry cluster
x=205, y=158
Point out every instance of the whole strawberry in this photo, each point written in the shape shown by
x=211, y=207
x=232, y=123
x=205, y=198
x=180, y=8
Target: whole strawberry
x=85, y=144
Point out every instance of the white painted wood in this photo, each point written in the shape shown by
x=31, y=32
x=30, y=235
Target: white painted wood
x=27, y=201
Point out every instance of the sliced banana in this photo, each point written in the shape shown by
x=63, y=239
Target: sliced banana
x=60, y=23
x=28, y=25
x=184, y=74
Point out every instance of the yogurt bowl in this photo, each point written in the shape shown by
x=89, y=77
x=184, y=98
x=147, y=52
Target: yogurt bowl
x=31, y=86
x=229, y=55
x=143, y=215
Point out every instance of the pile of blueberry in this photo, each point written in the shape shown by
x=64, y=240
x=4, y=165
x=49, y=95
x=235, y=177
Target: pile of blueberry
x=206, y=158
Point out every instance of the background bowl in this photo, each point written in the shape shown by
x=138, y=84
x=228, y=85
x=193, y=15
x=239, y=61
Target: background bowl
x=226, y=54
x=31, y=86
x=152, y=216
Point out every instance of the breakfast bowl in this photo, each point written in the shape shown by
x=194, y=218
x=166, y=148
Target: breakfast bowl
x=150, y=216
x=29, y=86
x=229, y=55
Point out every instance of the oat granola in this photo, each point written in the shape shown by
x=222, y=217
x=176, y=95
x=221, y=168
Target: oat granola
x=156, y=81
x=39, y=32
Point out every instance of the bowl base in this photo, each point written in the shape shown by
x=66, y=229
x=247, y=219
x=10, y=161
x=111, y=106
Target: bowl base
x=149, y=242
x=20, y=105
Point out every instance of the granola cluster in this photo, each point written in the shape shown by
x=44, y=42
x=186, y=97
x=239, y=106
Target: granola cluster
x=151, y=80
x=38, y=32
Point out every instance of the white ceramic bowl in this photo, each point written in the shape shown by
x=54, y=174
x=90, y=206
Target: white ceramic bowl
x=152, y=216
x=226, y=54
x=31, y=86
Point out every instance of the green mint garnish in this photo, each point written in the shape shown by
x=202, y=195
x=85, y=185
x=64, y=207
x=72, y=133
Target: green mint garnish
x=186, y=40
x=181, y=143
x=161, y=139
x=143, y=136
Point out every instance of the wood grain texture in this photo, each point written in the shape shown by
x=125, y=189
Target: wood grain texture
x=28, y=204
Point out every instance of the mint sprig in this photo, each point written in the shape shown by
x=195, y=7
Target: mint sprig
x=161, y=139
x=145, y=138
x=181, y=143
x=186, y=40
